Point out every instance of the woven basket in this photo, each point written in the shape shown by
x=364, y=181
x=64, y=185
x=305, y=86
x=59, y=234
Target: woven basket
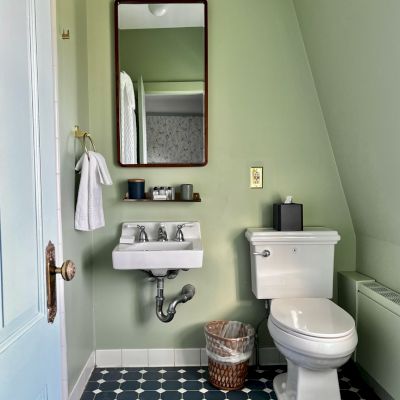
x=227, y=375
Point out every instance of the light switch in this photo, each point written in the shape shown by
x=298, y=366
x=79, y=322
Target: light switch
x=256, y=177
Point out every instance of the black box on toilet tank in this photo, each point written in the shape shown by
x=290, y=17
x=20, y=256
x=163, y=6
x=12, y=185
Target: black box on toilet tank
x=288, y=217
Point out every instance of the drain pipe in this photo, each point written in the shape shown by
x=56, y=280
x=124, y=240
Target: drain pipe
x=186, y=294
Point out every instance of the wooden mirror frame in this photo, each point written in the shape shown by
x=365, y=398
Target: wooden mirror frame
x=117, y=83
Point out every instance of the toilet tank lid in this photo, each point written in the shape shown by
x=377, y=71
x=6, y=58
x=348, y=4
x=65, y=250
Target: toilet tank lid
x=307, y=235
x=312, y=317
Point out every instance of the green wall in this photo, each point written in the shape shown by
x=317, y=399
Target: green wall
x=163, y=54
x=73, y=109
x=355, y=59
x=263, y=110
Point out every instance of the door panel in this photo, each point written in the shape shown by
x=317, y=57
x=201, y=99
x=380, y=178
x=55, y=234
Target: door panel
x=17, y=104
x=30, y=356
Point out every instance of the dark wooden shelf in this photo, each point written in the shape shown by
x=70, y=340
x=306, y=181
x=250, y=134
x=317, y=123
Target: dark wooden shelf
x=148, y=199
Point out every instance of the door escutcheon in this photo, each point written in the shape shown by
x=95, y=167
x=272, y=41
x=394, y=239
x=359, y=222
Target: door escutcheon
x=67, y=272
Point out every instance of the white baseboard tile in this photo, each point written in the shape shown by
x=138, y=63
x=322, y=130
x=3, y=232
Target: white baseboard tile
x=203, y=357
x=109, y=358
x=173, y=357
x=187, y=357
x=135, y=358
x=83, y=379
x=161, y=358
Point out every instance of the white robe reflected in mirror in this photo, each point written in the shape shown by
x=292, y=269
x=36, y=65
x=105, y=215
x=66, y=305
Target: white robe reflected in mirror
x=127, y=120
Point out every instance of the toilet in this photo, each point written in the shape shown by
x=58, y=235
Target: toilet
x=293, y=271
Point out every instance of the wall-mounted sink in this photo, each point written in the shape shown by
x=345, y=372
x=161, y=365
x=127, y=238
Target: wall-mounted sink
x=157, y=256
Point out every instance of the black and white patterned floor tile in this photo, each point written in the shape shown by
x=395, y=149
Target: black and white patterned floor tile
x=190, y=383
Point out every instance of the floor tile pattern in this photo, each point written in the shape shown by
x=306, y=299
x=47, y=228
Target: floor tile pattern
x=191, y=383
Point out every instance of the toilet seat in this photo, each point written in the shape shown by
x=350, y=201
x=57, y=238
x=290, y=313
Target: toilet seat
x=309, y=346
x=315, y=328
x=311, y=318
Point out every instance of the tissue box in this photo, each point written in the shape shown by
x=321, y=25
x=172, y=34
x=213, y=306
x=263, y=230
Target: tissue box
x=288, y=217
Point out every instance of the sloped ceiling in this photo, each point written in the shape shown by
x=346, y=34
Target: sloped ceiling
x=354, y=53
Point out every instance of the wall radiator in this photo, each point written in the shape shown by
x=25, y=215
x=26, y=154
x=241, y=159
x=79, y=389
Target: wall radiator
x=378, y=326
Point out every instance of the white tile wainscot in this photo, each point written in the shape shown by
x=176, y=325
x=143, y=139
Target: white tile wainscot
x=135, y=358
x=161, y=358
x=109, y=358
x=172, y=357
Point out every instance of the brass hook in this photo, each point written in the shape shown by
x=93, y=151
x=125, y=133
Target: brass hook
x=83, y=135
x=87, y=136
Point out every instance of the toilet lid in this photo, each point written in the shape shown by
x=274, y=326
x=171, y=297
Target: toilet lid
x=312, y=317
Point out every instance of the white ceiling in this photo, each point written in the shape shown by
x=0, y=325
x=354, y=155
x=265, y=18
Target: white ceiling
x=138, y=16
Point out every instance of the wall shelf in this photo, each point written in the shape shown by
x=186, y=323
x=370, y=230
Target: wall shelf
x=148, y=199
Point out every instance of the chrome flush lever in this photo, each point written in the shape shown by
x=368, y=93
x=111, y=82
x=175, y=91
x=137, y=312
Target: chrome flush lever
x=264, y=253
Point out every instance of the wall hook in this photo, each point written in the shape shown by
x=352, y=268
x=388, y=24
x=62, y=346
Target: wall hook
x=80, y=134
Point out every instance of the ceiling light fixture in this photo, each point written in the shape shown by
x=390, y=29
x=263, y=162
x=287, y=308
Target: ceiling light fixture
x=158, y=10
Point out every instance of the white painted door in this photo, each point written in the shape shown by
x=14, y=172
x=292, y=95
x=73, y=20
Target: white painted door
x=30, y=359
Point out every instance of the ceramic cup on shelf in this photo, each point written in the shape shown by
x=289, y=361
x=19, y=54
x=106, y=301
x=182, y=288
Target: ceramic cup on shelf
x=136, y=188
x=187, y=191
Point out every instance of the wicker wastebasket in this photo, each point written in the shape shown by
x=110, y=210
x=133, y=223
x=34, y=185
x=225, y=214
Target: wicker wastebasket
x=229, y=347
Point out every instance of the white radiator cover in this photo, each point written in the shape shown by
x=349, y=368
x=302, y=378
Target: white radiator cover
x=378, y=326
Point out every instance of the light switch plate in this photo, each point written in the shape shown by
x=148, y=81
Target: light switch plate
x=256, y=177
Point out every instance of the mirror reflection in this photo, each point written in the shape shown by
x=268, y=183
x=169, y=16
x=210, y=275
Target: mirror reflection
x=161, y=83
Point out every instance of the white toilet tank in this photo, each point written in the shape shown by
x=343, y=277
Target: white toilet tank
x=292, y=264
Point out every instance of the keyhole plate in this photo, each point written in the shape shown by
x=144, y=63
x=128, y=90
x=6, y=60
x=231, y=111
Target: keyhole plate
x=51, y=282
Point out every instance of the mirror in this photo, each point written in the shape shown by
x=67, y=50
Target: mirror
x=161, y=83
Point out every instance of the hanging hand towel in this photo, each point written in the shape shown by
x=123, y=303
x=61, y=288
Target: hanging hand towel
x=89, y=213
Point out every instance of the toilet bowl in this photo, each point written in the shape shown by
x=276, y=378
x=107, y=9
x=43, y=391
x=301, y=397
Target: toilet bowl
x=316, y=337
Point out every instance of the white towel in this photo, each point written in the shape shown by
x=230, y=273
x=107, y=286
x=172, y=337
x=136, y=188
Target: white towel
x=127, y=119
x=89, y=213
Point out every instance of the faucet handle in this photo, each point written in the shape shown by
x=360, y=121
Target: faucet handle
x=179, y=234
x=142, y=237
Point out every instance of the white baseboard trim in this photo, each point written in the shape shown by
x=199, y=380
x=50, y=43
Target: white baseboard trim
x=172, y=357
x=83, y=379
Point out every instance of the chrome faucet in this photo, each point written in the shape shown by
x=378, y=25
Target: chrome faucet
x=142, y=236
x=179, y=234
x=162, y=234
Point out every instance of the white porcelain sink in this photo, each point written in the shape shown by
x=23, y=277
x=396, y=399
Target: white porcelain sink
x=158, y=257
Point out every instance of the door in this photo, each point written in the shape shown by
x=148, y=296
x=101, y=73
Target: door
x=30, y=356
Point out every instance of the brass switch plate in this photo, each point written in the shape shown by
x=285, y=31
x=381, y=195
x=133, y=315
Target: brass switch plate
x=256, y=177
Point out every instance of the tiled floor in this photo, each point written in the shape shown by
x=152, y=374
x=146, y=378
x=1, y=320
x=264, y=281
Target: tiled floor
x=190, y=383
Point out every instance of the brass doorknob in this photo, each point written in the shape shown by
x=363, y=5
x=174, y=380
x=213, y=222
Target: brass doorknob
x=67, y=270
